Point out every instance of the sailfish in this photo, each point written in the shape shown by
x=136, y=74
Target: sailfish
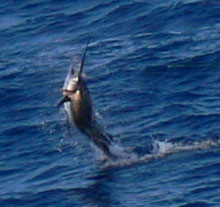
x=79, y=109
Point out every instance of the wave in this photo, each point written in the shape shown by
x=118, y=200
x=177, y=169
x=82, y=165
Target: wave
x=160, y=149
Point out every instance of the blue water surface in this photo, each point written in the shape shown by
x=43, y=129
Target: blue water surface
x=153, y=70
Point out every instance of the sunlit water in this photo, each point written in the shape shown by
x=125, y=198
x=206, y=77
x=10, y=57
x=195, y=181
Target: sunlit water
x=153, y=72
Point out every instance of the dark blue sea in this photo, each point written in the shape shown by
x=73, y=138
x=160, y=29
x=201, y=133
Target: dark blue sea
x=153, y=71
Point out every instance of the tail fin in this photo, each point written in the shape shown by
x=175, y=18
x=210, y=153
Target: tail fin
x=101, y=139
x=103, y=146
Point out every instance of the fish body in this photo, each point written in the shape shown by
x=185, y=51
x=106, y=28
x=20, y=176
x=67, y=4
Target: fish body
x=79, y=109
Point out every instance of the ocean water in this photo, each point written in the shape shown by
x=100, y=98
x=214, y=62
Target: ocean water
x=153, y=70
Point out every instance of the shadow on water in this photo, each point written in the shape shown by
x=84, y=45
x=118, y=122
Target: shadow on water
x=100, y=193
x=103, y=190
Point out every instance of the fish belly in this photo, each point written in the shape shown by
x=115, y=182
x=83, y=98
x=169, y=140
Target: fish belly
x=68, y=110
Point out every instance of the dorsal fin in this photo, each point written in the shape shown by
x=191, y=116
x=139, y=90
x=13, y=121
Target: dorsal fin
x=84, y=57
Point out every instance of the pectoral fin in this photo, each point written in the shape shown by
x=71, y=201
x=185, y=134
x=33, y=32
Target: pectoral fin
x=62, y=101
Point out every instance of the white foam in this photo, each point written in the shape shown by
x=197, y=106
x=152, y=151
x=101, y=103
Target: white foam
x=160, y=149
x=122, y=152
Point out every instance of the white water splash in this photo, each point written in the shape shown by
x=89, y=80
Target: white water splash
x=166, y=147
x=127, y=157
x=118, y=151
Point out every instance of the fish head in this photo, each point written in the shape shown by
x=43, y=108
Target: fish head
x=71, y=87
x=72, y=81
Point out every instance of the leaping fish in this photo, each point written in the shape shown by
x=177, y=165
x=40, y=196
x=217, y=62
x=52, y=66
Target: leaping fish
x=78, y=106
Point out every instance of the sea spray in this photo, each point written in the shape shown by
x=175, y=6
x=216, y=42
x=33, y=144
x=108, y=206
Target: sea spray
x=160, y=149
